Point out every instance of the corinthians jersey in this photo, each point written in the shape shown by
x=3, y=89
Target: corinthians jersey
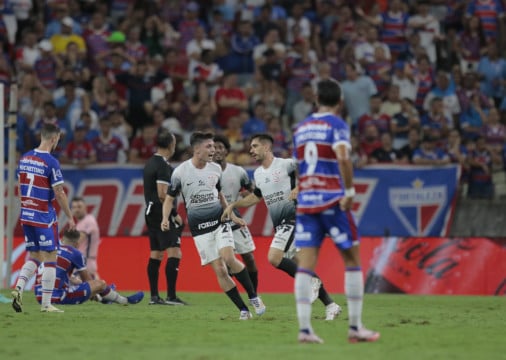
x=199, y=188
x=274, y=184
x=234, y=179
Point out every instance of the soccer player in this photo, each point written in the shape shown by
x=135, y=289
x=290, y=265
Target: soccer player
x=90, y=234
x=74, y=283
x=234, y=179
x=275, y=182
x=157, y=173
x=199, y=181
x=40, y=182
x=323, y=208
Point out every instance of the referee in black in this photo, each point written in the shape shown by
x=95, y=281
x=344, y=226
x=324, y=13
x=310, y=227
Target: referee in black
x=157, y=174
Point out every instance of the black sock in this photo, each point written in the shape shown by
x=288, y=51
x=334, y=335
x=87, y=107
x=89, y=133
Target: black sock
x=254, y=279
x=289, y=266
x=153, y=269
x=244, y=279
x=324, y=296
x=233, y=294
x=171, y=271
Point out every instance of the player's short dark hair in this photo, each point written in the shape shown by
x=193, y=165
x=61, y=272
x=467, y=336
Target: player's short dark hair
x=199, y=137
x=48, y=130
x=328, y=93
x=164, y=138
x=77, y=198
x=72, y=235
x=263, y=137
x=222, y=139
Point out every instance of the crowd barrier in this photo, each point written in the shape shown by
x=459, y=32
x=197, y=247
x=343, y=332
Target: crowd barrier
x=442, y=266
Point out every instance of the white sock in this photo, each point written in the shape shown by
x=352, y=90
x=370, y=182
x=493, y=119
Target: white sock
x=48, y=280
x=115, y=297
x=303, y=300
x=354, y=290
x=26, y=273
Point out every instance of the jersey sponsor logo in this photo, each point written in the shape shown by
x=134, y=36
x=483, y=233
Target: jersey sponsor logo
x=207, y=225
x=201, y=198
x=28, y=213
x=29, y=203
x=274, y=197
x=312, y=197
x=418, y=207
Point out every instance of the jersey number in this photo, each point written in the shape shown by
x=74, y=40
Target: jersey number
x=30, y=177
x=311, y=157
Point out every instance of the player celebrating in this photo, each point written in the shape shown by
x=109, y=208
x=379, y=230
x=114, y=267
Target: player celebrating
x=275, y=183
x=199, y=181
x=40, y=182
x=157, y=173
x=323, y=208
x=235, y=178
x=73, y=289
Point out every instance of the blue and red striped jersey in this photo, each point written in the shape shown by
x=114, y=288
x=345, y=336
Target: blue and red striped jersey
x=38, y=171
x=315, y=140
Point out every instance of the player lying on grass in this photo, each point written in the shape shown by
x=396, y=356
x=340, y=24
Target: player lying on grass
x=72, y=290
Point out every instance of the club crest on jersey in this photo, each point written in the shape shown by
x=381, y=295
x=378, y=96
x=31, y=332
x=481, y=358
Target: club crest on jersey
x=276, y=175
x=212, y=180
x=418, y=207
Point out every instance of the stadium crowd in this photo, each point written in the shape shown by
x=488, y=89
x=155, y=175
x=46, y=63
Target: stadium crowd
x=423, y=81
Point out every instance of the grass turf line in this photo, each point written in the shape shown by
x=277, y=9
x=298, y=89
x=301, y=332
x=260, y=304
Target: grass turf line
x=412, y=327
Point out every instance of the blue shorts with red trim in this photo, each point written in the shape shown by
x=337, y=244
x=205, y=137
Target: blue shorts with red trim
x=41, y=239
x=340, y=226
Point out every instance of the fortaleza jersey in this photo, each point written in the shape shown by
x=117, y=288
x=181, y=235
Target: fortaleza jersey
x=69, y=259
x=274, y=184
x=37, y=172
x=315, y=141
x=199, y=188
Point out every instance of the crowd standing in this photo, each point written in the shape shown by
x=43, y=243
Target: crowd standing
x=423, y=81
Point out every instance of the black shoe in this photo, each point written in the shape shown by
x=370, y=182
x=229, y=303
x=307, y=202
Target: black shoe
x=156, y=300
x=175, y=301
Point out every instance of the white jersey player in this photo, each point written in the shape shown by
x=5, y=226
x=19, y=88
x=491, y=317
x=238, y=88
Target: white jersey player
x=199, y=181
x=235, y=179
x=275, y=182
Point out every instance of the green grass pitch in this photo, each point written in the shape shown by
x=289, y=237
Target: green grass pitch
x=412, y=327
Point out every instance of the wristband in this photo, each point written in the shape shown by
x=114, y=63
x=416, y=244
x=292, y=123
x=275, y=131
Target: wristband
x=349, y=192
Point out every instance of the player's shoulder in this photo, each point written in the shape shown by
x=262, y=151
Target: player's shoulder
x=283, y=161
x=233, y=168
x=214, y=167
x=182, y=167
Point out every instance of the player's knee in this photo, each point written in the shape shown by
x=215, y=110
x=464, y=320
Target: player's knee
x=97, y=286
x=274, y=257
x=174, y=252
x=249, y=261
x=157, y=255
x=221, y=270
